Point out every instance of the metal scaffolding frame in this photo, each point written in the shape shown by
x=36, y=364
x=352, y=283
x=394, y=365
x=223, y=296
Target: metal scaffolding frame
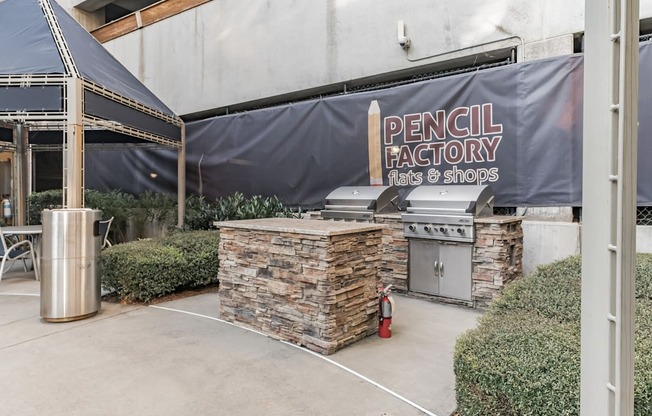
x=72, y=120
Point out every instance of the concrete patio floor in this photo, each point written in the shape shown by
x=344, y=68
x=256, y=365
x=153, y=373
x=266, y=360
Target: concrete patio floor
x=178, y=358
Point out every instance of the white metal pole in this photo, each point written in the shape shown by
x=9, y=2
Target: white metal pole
x=21, y=173
x=73, y=151
x=609, y=207
x=181, y=179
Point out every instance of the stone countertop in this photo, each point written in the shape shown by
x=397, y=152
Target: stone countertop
x=393, y=216
x=317, y=214
x=310, y=227
x=498, y=219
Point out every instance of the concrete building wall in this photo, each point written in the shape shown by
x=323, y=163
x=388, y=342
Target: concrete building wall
x=547, y=241
x=90, y=21
x=644, y=239
x=227, y=52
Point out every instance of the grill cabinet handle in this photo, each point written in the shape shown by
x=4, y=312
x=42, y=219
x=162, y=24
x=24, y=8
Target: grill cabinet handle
x=441, y=269
x=436, y=267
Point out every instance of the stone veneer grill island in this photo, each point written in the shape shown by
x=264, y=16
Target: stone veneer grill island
x=496, y=258
x=313, y=283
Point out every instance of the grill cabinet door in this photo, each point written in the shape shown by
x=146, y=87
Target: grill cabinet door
x=424, y=265
x=455, y=271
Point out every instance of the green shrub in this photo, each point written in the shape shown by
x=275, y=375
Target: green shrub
x=200, y=213
x=644, y=276
x=147, y=269
x=524, y=356
x=199, y=249
x=38, y=201
x=514, y=367
x=114, y=204
x=154, y=206
x=643, y=358
x=160, y=210
x=126, y=209
x=238, y=207
x=553, y=291
x=142, y=270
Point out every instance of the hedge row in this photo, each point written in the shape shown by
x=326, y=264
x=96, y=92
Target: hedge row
x=134, y=212
x=146, y=269
x=123, y=207
x=524, y=356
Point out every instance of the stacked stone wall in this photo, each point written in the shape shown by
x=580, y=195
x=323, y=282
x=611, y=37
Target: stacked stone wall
x=313, y=290
x=394, y=267
x=497, y=257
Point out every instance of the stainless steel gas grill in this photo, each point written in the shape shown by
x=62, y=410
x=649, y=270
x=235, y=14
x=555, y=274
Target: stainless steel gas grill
x=439, y=226
x=360, y=203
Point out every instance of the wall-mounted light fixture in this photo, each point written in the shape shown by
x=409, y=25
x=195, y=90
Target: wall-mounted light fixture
x=403, y=40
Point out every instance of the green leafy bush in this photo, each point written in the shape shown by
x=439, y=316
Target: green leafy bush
x=147, y=269
x=524, y=356
x=553, y=292
x=515, y=367
x=200, y=213
x=142, y=270
x=133, y=214
x=38, y=201
x=154, y=206
x=238, y=207
x=116, y=204
x=127, y=210
x=199, y=249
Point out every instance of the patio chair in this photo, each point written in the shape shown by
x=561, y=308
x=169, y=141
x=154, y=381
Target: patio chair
x=105, y=226
x=20, y=250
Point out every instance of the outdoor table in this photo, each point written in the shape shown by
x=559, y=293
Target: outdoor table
x=33, y=232
x=30, y=230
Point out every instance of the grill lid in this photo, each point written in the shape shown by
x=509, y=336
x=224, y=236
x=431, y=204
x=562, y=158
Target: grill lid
x=378, y=199
x=475, y=200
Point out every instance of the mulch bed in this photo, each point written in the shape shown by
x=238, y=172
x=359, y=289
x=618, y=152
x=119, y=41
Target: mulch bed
x=184, y=293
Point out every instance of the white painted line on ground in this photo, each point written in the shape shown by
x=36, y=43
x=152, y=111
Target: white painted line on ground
x=350, y=371
x=19, y=294
x=208, y=317
x=368, y=380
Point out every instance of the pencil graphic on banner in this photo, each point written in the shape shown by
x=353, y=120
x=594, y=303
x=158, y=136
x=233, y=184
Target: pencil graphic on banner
x=375, y=165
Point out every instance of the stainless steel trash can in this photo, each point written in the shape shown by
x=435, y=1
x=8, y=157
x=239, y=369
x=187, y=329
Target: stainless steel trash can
x=70, y=249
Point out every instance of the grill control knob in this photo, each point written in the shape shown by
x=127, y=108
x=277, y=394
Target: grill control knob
x=412, y=227
x=460, y=230
x=427, y=228
x=442, y=229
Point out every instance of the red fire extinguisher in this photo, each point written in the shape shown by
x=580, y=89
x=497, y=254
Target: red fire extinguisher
x=385, y=313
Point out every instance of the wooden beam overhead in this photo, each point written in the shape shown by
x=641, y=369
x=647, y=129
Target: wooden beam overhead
x=144, y=17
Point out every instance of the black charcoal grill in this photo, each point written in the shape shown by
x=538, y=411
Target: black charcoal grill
x=360, y=203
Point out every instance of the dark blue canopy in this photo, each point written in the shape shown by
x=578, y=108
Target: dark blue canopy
x=29, y=49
